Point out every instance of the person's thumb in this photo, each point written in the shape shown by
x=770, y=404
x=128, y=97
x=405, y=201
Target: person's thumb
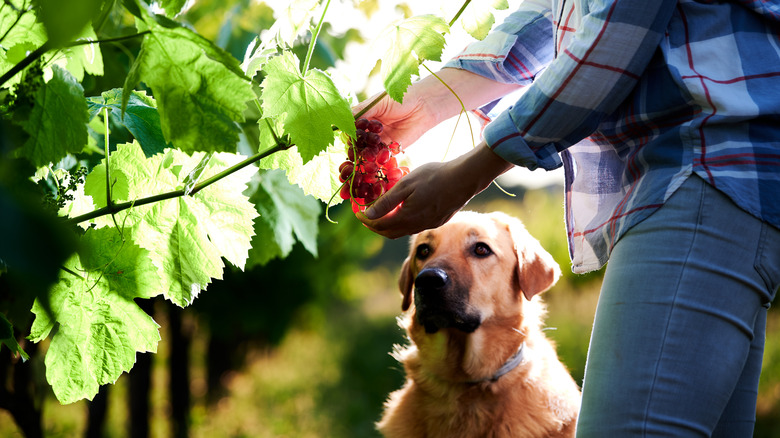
x=385, y=204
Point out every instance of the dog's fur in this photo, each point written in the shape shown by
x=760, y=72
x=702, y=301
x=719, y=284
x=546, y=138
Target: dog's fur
x=464, y=331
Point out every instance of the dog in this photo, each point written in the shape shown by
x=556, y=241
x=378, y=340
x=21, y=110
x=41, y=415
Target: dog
x=478, y=363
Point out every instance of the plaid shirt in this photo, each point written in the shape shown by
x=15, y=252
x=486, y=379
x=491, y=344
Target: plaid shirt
x=634, y=96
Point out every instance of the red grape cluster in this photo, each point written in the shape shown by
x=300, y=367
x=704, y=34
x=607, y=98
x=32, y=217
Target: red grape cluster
x=371, y=168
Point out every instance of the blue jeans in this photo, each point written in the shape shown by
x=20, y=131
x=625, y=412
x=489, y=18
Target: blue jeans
x=678, y=336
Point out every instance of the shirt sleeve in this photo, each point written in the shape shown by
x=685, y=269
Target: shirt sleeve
x=516, y=50
x=587, y=80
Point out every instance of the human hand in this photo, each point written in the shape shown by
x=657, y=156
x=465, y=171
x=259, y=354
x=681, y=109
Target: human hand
x=431, y=194
x=402, y=122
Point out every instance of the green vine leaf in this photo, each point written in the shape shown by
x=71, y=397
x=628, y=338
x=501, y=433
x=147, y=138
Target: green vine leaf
x=318, y=177
x=200, y=89
x=95, y=325
x=172, y=7
x=187, y=236
x=81, y=59
x=405, y=45
x=26, y=35
x=286, y=214
x=309, y=104
x=479, y=18
x=140, y=117
x=8, y=339
x=58, y=121
x=292, y=20
x=65, y=20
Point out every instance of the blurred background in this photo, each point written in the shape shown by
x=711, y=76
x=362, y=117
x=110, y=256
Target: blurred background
x=300, y=347
x=306, y=353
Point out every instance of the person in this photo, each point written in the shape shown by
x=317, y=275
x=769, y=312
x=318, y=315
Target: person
x=666, y=118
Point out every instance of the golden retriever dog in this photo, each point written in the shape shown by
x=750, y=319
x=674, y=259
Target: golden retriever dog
x=478, y=364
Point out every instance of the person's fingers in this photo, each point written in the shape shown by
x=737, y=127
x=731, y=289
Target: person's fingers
x=387, y=202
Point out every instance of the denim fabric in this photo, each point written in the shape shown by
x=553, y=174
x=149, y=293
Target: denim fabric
x=679, y=330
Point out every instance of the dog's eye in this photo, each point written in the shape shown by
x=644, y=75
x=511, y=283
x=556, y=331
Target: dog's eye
x=423, y=251
x=482, y=250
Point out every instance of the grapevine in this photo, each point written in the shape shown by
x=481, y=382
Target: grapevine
x=371, y=168
x=64, y=190
x=174, y=184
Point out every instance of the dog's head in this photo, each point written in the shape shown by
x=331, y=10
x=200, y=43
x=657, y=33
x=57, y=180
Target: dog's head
x=473, y=268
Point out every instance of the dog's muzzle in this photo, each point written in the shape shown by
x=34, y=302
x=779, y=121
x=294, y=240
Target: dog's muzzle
x=441, y=304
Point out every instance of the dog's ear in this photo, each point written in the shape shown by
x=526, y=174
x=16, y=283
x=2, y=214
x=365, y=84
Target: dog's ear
x=537, y=271
x=405, y=284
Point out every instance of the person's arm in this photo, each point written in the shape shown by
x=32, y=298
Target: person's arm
x=429, y=102
x=587, y=81
x=485, y=71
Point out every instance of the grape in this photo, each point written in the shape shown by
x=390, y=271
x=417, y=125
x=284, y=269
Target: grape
x=344, y=193
x=383, y=156
x=375, y=126
x=372, y=139
x=371, y=168
x=394, y=174
x=392, y=163
x=362, y=124
x=360, y=136
x=379, y=190
x=369, y=154
x=346, y=169
x=371, y=178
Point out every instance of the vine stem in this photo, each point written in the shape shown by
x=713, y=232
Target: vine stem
x=116, y=208
x=18, y=18
x=37, y=53
x=462, y=105
x=106, y=144
x=108, y=40
x=313, y=41
x=460, y=11
x=21, y=65
x=108, y=163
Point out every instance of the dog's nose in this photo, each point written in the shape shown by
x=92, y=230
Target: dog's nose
x=432, y=279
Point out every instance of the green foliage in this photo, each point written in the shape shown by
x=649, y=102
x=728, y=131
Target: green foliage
x=309, y=103
x=286, y=214
x=65, y=20
x=33, y=248
x=407, y=44
x=23, y=33
x=480, y=19
x=318, y=177
x=172, y=7
x=8, y=339
x=140, y=117
x=57, y=122
x=201, y=91
x=167, y=200
x=97, y=327
x=187, y=236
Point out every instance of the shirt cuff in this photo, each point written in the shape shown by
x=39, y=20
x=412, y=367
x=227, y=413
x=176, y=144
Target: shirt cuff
x=502, y=136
